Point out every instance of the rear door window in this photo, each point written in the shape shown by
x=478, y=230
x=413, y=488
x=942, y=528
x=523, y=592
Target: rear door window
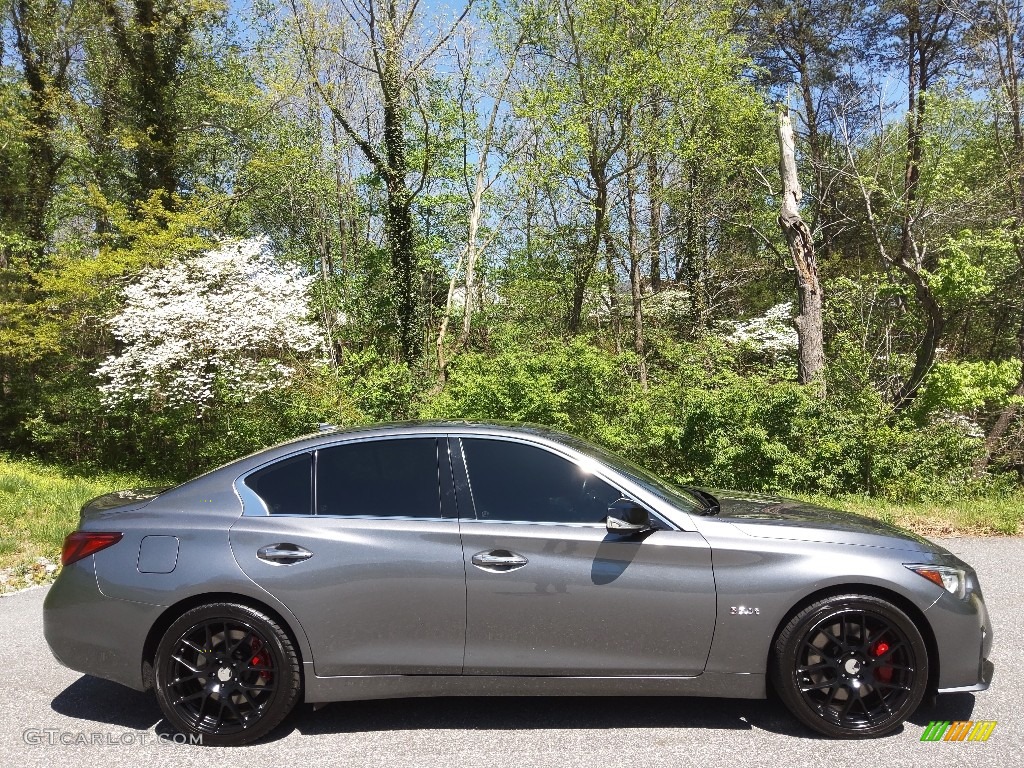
x=379, y=478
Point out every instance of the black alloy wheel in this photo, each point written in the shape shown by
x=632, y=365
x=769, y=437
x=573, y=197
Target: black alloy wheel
x=851, y=666
x=227, y=673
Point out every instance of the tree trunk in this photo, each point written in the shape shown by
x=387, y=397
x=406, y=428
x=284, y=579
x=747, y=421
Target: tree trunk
x=398, y=233
x=44, y=61
x=398, y=225
x=389, y=37
x=469, y=256
x=654, y=191
x=442, y=333
x=585, y=261
x=924, y=47
x=1009, y=76
x=636, y=291
x=809, y=329
x=473, y=249
x=1006, y=416
x=152, y=46
x=934, y=329
x=156, y=79
x=692, y=262
x=635, y=279
x=820, y=209
x=613, y=294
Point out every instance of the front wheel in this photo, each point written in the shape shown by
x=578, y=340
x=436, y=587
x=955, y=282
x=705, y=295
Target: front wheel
x=851, y=666
x=227, y=673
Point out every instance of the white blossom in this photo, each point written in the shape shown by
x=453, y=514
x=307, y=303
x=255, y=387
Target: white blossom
x=969, y=426
x=670, y=305
x=772, y=332
x=227, y=318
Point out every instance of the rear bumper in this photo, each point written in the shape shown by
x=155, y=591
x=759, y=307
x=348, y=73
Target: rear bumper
x=94, y=634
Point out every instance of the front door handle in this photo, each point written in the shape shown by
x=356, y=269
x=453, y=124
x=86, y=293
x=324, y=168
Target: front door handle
x=498, y=561
x=283, y=554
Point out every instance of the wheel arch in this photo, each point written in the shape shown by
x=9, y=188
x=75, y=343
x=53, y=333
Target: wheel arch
x=915, y=614
x=173, y=612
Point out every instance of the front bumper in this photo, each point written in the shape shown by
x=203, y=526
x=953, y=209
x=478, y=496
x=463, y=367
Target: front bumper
x=963, y=636
x=984, y=680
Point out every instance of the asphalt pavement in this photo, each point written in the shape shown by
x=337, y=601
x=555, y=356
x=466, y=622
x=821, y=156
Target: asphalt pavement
x=52, y=716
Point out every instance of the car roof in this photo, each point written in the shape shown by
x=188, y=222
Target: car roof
x=223, y=477
x=329, y=434
x=422, y=426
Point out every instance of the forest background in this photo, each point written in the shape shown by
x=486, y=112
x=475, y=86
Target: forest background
x=221, y=225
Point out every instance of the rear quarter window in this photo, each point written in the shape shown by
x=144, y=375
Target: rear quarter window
x=285, y=487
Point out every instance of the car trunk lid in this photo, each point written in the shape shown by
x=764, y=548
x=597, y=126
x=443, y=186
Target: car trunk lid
x=119, y=501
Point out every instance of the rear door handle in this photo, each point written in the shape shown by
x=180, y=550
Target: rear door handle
x=498, y=561
x=283, y=554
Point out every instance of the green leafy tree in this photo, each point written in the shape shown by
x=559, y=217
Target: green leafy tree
x=384, y=72
x=142, y=56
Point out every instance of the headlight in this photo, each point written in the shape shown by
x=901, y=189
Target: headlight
x=953, y=580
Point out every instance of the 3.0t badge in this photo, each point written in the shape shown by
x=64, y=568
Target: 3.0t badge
x=742, y=610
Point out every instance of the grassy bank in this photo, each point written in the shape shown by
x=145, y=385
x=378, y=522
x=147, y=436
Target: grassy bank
x=39, y=505
x=984, y=516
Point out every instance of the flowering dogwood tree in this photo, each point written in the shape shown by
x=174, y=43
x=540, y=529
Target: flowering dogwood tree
x=772, y=333
x=225, y=319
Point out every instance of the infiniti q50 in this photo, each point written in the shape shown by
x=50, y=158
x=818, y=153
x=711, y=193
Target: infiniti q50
x=451, y=558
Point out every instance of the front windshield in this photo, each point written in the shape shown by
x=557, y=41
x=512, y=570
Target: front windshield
x=647, y=480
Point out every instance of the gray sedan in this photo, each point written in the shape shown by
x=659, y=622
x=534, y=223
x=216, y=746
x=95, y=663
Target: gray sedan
x=452, y=558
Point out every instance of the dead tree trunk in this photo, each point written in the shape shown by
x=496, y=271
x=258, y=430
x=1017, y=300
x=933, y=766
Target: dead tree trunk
x=1004, y=41
x=809, y=328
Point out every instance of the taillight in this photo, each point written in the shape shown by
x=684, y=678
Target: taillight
x=84, y=543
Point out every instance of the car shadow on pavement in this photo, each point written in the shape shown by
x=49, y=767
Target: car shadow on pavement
x=949, y=706
x=90, y=698
x=96, y=700
x=525, y=713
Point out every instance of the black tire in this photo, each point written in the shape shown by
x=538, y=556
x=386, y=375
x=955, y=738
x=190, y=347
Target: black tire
x=851, y=666
x=226, y=672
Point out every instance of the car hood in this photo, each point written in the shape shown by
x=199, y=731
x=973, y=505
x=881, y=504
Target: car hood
x=120, y=501
x=768, y=517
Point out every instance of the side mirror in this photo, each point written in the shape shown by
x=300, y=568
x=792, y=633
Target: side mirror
x=626, y=516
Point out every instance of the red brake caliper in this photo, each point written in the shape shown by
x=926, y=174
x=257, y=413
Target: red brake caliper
x=883, y=674
x=260, y=658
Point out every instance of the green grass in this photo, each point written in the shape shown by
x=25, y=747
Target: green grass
x=39, y=506
x=980, y=516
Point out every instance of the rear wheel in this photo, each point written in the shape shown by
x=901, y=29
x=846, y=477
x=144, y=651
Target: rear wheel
x=226, y=672
x=851, y=666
